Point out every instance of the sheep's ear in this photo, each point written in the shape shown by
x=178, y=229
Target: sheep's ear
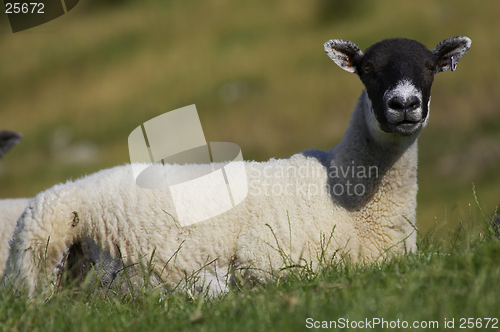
x=449, y=51
x=344, y=53
x=7, y=140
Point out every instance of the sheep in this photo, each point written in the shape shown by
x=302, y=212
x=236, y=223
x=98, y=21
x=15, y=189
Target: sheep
x=10, y=209
x=7, y=140
x=356, y=201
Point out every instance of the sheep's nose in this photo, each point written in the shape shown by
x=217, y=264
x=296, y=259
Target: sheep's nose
x=402, y=104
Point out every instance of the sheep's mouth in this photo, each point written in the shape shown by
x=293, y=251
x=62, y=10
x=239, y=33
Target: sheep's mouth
x=400, y=123
x=406, y=127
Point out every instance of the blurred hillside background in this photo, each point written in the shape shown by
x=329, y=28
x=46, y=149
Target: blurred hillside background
x=256, y=70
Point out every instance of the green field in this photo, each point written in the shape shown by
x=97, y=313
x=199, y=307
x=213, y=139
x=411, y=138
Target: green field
x=77, y=86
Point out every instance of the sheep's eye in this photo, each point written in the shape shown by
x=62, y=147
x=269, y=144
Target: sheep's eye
x=367, y=69
x=431, y=69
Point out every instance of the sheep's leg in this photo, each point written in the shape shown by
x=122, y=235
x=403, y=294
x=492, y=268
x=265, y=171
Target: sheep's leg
x=216, y=281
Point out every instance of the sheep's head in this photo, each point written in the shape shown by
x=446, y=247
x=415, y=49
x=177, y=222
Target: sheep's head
x=398, y=75
x=7, y=140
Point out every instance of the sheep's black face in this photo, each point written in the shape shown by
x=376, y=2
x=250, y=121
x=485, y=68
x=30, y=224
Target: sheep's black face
x=398, y=75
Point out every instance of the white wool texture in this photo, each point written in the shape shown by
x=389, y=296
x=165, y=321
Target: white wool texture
x=10, y=211
x=292, y=207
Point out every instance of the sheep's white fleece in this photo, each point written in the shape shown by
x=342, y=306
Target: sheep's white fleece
x=113, y=211
x=10, y=211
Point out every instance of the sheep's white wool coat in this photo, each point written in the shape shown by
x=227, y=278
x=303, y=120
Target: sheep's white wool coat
x=10, y=211
x=292, y=203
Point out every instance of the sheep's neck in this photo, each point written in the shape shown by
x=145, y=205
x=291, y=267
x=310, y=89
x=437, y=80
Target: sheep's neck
x=371, y=170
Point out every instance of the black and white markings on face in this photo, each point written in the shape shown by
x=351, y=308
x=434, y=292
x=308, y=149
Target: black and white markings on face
x=404, y=111
x=398, y=75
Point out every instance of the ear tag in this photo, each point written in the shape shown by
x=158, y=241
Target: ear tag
x=453, y=64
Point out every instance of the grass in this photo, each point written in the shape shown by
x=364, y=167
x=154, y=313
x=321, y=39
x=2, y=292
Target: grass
x=447, y=280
